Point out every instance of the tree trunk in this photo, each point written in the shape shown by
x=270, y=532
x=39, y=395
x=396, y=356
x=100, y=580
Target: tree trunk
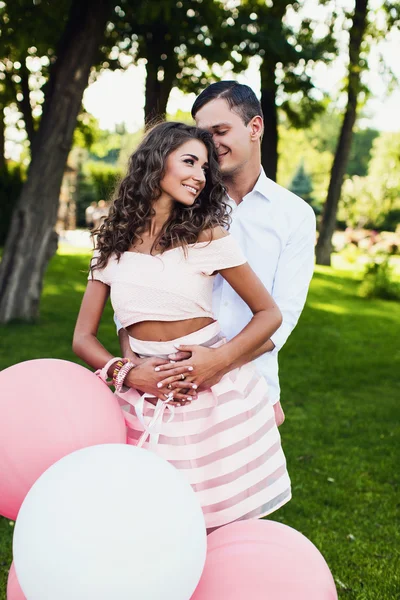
x=269, y=144
x=24, y=105
x=2, y=141
x=157, y=92
x=31, y=240
x=328, y=223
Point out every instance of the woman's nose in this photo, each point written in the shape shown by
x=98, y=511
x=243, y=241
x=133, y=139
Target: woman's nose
x=200, y=176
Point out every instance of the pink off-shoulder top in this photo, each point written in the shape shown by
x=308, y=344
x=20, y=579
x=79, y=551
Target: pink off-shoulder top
x=170, y=286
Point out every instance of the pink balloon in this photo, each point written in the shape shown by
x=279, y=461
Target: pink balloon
x=48, y=409
x=14, y=591
x=263, y=560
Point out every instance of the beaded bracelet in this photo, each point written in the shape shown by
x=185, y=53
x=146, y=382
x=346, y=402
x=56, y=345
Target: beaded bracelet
x=118, y=366
x=103, y=373
x=122, y=374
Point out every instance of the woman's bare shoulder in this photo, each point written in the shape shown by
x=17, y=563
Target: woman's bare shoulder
x=214, y=233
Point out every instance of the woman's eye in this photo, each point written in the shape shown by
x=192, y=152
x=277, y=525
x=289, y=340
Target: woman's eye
x=189, y=161
x=221, y=132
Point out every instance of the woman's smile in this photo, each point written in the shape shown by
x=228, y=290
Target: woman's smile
x=191, y=189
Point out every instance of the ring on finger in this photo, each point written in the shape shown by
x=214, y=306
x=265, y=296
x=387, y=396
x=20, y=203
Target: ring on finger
x=169, y=386
x=183, y=377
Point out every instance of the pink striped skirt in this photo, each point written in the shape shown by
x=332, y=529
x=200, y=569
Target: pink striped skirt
x=226, y=443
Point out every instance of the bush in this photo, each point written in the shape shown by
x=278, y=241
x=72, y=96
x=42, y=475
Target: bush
x=104, y=178
x=96, y=181
x=378, y=279
x=11, y=181
x=391, y=220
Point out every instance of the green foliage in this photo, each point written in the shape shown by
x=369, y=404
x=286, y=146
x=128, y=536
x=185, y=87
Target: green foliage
x=129, y=143
x=314, y=147
x=379, y=281
x=384, y=168
x=103, y=177
x=287, y=50
x=391, y=220
x=360, y=153
x=300, y=145
x=358, y=206
x=96, y=181
x=11, y=180
x=87, y=132
x=183, y=42
x=30, y=33
x=302, y=186
x=374, y=201
x=323, y=135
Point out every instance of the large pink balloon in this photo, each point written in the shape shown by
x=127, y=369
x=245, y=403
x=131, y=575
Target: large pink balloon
x=48, y=409
x=263, y=560
x=14, y=591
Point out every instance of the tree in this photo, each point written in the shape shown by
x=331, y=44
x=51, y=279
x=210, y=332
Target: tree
x=302, y=186
x=374, y=200
x=360, y=151
x=287, y=51
x=358, y=47
x=32, y=240
x=29, y=34
x=182, y=43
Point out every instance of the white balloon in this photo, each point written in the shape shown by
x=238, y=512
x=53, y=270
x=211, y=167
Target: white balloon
x=110, y=522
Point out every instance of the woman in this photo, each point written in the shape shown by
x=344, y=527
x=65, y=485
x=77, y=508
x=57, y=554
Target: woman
x=157, y=255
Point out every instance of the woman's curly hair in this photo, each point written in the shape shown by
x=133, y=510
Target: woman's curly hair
x=132, y=209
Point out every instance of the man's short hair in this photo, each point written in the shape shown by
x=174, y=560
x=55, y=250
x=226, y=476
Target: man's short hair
x=240, y=98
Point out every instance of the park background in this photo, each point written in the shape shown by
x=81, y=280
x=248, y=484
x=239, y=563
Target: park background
x=78, y=79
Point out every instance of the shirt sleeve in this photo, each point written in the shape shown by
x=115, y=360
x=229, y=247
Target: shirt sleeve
x=292, y=278
x=222, y=253
x=98, y=274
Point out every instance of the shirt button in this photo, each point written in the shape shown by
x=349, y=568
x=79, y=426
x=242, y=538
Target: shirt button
x=226, y=303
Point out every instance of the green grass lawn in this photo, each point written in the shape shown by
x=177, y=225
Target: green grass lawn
x=340, y=390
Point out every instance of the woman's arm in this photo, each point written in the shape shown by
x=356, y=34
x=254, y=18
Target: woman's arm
x=86, y=345
x=267, y=317
x=210, y=362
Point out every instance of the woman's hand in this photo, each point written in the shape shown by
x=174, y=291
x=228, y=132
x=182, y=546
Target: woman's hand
x=207, y=366
x=144, y=377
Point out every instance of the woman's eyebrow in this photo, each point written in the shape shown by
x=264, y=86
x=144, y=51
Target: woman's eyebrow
x=195, y=158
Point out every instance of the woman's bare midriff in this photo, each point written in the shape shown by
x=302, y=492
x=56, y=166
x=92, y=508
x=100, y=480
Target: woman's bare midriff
x=165, y=331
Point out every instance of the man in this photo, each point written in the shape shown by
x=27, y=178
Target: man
x=275, y=229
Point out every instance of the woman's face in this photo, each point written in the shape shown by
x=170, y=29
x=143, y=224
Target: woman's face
x=185, y=172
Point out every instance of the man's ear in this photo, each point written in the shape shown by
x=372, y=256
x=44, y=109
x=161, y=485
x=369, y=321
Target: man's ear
x=256, y=126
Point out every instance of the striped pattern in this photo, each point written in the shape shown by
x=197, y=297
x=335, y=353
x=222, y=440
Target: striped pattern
x=227, y=445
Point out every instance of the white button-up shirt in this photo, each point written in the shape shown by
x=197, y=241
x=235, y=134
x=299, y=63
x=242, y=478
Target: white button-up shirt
x=276, y=231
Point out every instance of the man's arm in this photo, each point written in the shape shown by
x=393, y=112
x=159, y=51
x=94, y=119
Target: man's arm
x=124, y=344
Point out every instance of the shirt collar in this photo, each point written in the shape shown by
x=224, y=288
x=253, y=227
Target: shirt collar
x=262, y=187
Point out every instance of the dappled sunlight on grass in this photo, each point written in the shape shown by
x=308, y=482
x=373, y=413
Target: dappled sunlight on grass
x=334, y=308
x=68, y=250
x=57, y=289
